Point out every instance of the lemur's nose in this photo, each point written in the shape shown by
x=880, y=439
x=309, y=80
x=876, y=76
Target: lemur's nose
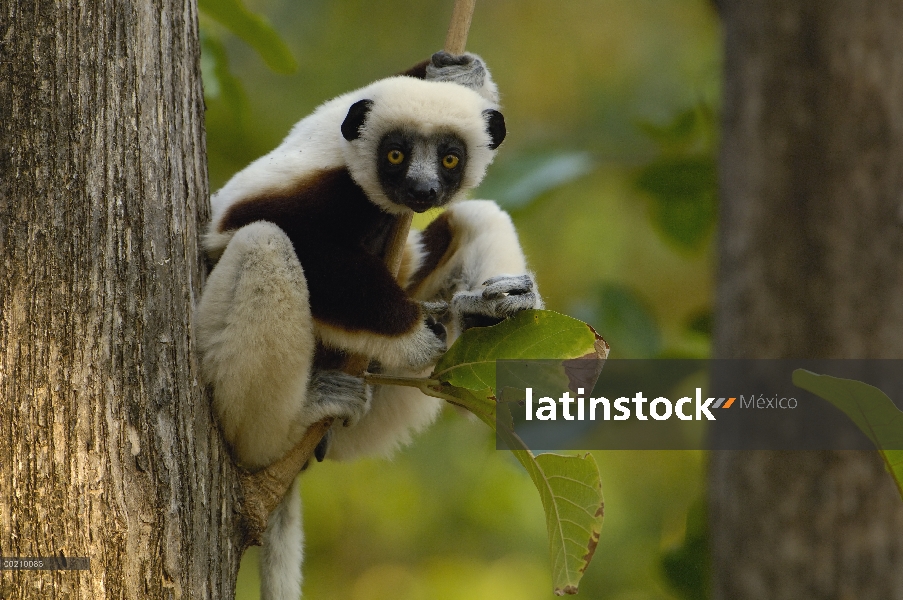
x=423, y=190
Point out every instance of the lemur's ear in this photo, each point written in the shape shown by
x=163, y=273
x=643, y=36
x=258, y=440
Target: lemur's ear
x=357, y=114
x=495, y=126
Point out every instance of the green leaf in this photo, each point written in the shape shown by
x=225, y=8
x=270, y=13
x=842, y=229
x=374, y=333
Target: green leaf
x=702, y=322
x=691, y=130
x=470, y=362
x=570, y=488
x=254, y=30
x=870, y=408
x=682, y=182
x=684, y=192
x=481, y=403
x=571, y=491
x=680, y=176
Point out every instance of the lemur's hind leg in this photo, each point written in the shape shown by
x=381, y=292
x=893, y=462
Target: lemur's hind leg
x=256, y=335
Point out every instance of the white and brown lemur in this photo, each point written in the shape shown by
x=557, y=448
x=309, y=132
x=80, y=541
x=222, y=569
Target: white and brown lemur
x=299, y=282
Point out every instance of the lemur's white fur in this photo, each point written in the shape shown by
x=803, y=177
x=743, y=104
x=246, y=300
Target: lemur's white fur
x=255, y=329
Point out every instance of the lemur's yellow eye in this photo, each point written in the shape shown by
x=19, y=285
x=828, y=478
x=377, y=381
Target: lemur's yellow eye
x=395, y=157
x=450, y=161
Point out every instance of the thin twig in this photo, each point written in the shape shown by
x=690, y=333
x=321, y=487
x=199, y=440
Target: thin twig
x=379, y=379
x=462, y=14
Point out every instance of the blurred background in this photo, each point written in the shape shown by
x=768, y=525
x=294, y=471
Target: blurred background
x=608, y=171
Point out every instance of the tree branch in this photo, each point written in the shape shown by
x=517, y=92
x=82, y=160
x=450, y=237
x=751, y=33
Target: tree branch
x=263, y=491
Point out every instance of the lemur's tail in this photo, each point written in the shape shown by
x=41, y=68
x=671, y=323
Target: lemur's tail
x=282, y=553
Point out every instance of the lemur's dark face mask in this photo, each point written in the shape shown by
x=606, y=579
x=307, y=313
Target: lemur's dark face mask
x=419, y=171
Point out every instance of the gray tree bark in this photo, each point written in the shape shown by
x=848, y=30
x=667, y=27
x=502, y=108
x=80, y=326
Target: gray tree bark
x=107, y=448
x=810, y=267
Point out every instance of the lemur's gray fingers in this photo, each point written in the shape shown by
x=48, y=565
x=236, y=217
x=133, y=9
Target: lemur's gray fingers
x=446, y=59
x=500, y=306
x=508, y=306
x=470, y=304
x=497, y=287
x=498, y=278
x=514, y=303
x=340, y=395
x=435, y=308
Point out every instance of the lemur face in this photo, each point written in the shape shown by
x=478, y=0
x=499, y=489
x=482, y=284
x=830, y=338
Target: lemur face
x=416, y=145
x=420, y=171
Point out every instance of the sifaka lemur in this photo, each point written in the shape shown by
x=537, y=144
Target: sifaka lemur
x=299, y=283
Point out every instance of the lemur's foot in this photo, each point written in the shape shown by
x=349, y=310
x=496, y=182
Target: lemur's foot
x=339, y=395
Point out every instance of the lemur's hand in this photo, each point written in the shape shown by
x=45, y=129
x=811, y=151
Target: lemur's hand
x=464, y=69
x=501, y=297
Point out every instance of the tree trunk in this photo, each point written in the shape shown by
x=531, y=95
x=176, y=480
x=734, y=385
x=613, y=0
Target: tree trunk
x=810, y=267
x=107, y=448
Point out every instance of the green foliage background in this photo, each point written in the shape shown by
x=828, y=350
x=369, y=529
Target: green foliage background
x=608, y=171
